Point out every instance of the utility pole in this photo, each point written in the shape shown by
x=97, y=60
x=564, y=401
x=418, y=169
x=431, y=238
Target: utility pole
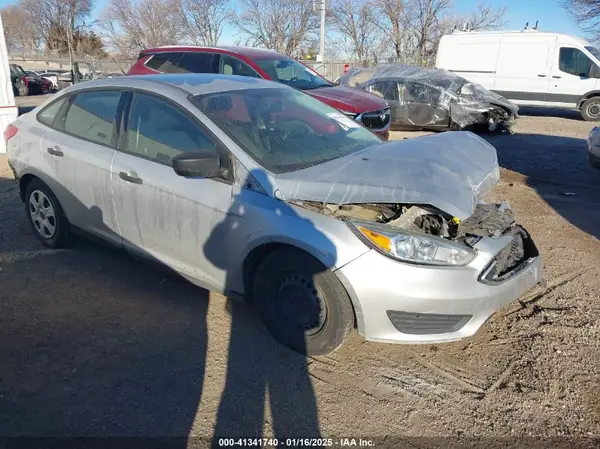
x=320, y=6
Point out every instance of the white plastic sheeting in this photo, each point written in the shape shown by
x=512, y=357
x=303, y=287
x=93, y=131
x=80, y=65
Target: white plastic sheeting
x=450, y=171
x=424, y=97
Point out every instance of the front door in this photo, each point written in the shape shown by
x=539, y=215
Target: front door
x=570, y=77
x=162, y=215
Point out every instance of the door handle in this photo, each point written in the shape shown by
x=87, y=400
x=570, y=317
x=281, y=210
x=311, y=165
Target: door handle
x=130, y=176
x=542, y=76
x=55, y=151
x=555, y=76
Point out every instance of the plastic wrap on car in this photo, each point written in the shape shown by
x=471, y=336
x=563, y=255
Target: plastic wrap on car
x=442, y=94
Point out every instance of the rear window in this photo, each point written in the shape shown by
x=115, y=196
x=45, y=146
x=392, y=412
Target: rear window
x=91, y=115
x=163, y=62
x=49, y=113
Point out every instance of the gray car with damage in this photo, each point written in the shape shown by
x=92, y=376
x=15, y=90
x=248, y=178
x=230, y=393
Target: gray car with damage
x=256, y=190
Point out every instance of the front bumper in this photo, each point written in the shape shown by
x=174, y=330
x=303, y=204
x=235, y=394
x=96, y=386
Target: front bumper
x=403, y=303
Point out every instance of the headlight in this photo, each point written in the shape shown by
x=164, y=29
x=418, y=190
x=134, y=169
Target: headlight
x=411, y=246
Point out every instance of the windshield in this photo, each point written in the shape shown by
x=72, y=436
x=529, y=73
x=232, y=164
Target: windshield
x=282, y=129
x=17, y=70
x=594, y=51
x=293, y=73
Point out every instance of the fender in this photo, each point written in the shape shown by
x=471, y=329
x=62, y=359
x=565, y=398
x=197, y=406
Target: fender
x=586, y=96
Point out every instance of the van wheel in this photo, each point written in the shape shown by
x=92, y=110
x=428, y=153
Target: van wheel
x=590, y=109
x=302, y=303
x=46, y=217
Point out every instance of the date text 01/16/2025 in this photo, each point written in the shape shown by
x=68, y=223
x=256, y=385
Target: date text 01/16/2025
x=296, y=442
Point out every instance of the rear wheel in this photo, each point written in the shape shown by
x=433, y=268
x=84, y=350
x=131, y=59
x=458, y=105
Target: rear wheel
x=302, y=303
x=590, y=109
x=23, y=90
x=46, y=217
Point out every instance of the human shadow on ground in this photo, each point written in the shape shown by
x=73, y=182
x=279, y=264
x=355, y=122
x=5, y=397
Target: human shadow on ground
x=257, y=370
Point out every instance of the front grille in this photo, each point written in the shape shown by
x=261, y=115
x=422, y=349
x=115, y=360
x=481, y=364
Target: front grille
x=512, y=257
x=376, y=119
x=426, y=323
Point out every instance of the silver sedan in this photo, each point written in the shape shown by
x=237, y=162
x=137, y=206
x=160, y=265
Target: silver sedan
x=258, y=191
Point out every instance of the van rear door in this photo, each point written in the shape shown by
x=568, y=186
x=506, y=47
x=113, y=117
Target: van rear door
x=471, y=56
x=570, y=76
x=523, y=68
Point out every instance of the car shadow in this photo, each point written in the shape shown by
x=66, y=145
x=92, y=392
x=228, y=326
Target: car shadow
x=97, y=344
x=532, y=111
x=558, y=169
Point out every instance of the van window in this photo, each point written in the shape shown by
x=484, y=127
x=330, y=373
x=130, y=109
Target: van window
x=574, y=61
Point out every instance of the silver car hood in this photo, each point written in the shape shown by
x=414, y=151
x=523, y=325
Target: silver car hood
x=450, y=171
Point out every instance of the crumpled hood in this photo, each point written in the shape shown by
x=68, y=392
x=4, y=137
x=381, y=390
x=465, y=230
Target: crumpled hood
x=451, y=171
x=348, y=99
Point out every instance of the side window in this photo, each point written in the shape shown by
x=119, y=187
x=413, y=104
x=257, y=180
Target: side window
x=385, y=89
x=574, y=61
x=91, y=115
x=229, y=65
x=158, y=131
x=48, y=114
x=164, y=62
x=194, y=63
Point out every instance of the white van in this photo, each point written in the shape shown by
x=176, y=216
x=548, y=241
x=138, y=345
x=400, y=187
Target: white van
x=529, y=67
x=8, y=109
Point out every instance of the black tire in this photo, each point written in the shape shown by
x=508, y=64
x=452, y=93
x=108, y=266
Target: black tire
x=15, y=90
x=62, y=236
x=319, y=299
x=590, y=109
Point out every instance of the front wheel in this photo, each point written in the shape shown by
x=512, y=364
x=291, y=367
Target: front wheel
x=590, y=109
x=46, y=217
x=302, y=303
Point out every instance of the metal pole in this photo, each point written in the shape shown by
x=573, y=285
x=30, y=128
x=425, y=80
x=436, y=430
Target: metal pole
x=320, y=5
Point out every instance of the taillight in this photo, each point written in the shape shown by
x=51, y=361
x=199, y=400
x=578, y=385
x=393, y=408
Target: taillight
x=10, y=132
x=25, y=80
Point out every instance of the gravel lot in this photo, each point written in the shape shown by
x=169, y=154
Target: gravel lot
x=93, y=343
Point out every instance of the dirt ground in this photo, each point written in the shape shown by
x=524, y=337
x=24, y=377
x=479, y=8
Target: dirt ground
x=93, y=343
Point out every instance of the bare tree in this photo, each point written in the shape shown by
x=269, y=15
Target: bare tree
x=355, y=21
x=485, y=17
x=204, y=20
x=57, y=21
x=19, y=32
x=281, y=25
x=423, y=20
x=587, y=15
x=130, y=26
x=392, y=20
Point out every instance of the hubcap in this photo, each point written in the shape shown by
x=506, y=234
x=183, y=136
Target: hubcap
x=42, y=214
x=594, y=110
x=300, y=303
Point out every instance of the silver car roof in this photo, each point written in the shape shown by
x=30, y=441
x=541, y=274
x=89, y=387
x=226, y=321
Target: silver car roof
x=191, y=83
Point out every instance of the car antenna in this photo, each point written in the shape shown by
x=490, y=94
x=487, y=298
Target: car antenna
x=122, y=71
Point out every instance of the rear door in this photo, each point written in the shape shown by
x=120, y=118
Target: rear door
x=570, y=76
x=162, y=215
x=77, y=154
x=523, y=69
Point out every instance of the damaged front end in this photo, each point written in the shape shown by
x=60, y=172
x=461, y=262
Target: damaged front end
x=425, y=235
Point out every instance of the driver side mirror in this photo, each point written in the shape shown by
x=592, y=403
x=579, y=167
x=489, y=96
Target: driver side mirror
x=201, y=164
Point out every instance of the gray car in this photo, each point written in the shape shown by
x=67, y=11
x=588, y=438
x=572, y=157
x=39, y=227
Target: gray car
x=253, y=189
x=594, y=147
